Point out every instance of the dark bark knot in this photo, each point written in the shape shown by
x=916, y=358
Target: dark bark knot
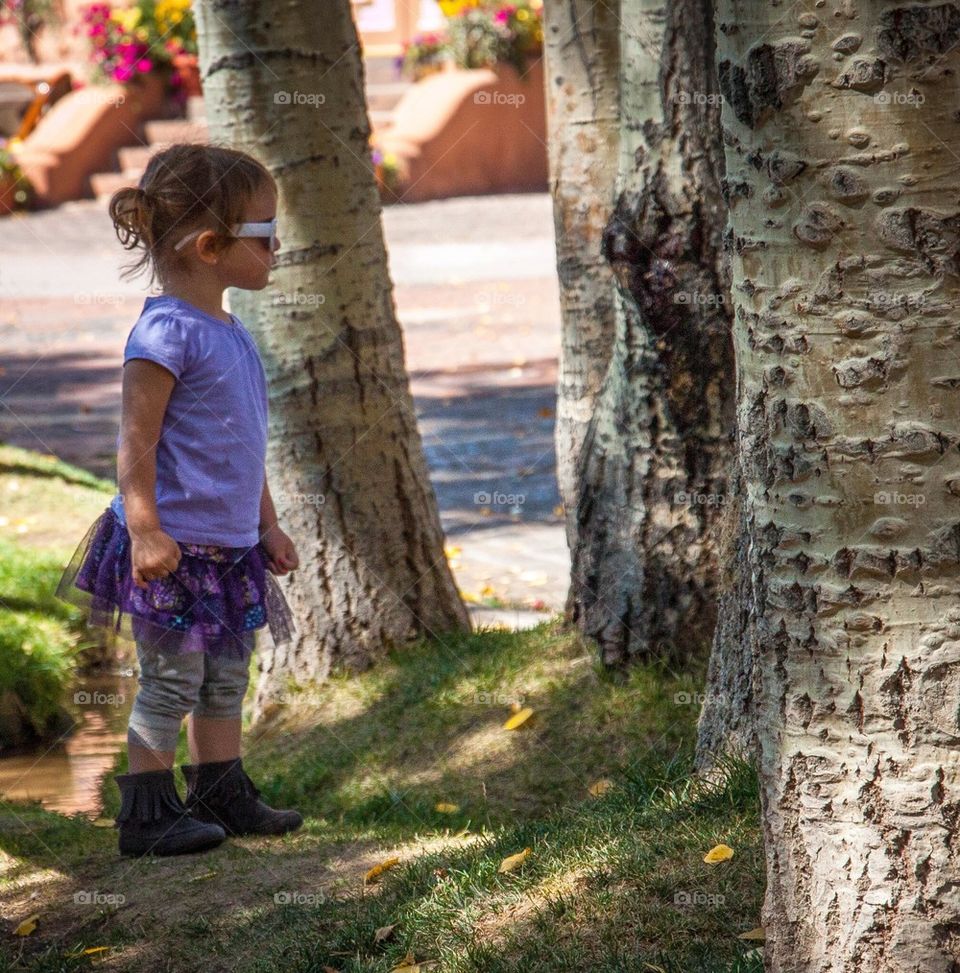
x=918, y=33
x=773, y=78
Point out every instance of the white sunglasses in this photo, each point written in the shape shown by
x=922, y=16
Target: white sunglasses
x=266, y=229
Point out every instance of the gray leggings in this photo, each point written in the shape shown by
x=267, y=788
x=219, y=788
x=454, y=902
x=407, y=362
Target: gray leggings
x=173, y=685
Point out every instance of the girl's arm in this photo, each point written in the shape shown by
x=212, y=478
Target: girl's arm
x=268, y=513
x=281, y=552
x=146, y=391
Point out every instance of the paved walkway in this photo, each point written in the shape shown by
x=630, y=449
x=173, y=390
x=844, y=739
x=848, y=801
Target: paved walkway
x=476, y=291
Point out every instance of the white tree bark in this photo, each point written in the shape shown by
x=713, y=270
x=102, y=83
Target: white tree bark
x=653, y=469
x=285, y=83
x=581, y=57
x=842, y=147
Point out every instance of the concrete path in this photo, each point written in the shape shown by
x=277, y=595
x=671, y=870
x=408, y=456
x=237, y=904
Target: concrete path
x=476, y=292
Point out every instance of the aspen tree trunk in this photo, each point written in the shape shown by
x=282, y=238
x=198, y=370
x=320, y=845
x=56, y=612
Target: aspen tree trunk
x=842, y=148
x=652, y=477
x=345, y=462
x=727, y=721
x=581, y=57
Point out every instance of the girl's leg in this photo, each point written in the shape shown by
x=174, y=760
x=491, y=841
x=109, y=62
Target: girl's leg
x=213, y=730
x=169, y=689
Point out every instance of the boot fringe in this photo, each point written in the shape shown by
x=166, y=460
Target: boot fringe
x=147, y=799
x=225, y=781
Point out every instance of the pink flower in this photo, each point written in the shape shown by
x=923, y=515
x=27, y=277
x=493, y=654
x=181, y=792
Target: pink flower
x=144, y=64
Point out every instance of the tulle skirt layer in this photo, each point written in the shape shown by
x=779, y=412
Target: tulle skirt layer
x=211, y=603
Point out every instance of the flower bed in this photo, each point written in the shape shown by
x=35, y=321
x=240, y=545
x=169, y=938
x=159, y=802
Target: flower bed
x=149, y=35
x=479, y=34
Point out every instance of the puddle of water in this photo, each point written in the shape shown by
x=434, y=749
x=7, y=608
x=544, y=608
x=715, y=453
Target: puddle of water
x=65, y=777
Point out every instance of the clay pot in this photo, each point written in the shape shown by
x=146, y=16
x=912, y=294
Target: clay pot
x=188, y=67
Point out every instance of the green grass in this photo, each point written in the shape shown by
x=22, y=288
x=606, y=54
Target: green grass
x=47, y=505
x=598, y=892
x=366, y=759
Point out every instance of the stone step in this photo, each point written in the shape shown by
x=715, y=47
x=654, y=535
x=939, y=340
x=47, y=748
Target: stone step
x=105, y=184
x=135, y=156
x=168, y=130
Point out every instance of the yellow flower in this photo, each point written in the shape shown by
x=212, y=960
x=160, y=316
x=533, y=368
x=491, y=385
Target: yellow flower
x=126, y=18
x=522, y=14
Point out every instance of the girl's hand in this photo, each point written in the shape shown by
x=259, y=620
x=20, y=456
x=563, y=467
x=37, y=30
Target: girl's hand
x=154, y=554
x=282, y=554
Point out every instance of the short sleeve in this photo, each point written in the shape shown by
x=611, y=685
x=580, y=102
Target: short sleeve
x=162, y=339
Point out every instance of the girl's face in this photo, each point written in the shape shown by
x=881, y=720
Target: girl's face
x=247, y=261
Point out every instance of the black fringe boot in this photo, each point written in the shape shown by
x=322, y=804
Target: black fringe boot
x=222, y=792
x=152, y=818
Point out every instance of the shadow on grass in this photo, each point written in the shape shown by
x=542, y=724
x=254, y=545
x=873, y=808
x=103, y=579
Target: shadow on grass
x=366, y=759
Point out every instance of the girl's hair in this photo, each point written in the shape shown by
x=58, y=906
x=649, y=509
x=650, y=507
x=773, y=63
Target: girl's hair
x=184, y=187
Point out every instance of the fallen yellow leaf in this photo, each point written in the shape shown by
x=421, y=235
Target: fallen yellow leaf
x=514, y=861
x=444, y=808
x=378, y=870
x=384, y=932
x=600, y=787
x=410, y=965
x=757, y=935
x=102, y=822
x=27, y=926
x=518, y=719
x=718, y=853
x=200, y=878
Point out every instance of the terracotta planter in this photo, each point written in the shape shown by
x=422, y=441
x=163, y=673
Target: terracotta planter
x=188, y=67
x=8, y=193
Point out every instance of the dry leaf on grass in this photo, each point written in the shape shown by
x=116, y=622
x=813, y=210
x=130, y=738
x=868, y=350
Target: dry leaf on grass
x=718, y=853
x=514, y=861
x=378, y=870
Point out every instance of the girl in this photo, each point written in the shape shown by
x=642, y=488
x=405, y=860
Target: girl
x=179, y=561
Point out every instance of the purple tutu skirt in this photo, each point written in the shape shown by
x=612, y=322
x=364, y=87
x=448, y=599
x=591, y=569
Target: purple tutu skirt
x=211, y=603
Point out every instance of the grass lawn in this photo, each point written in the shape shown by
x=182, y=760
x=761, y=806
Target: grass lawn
x=410, y=764
x=45, y=508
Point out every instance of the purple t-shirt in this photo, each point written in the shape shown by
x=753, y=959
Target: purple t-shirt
x=213, y=442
